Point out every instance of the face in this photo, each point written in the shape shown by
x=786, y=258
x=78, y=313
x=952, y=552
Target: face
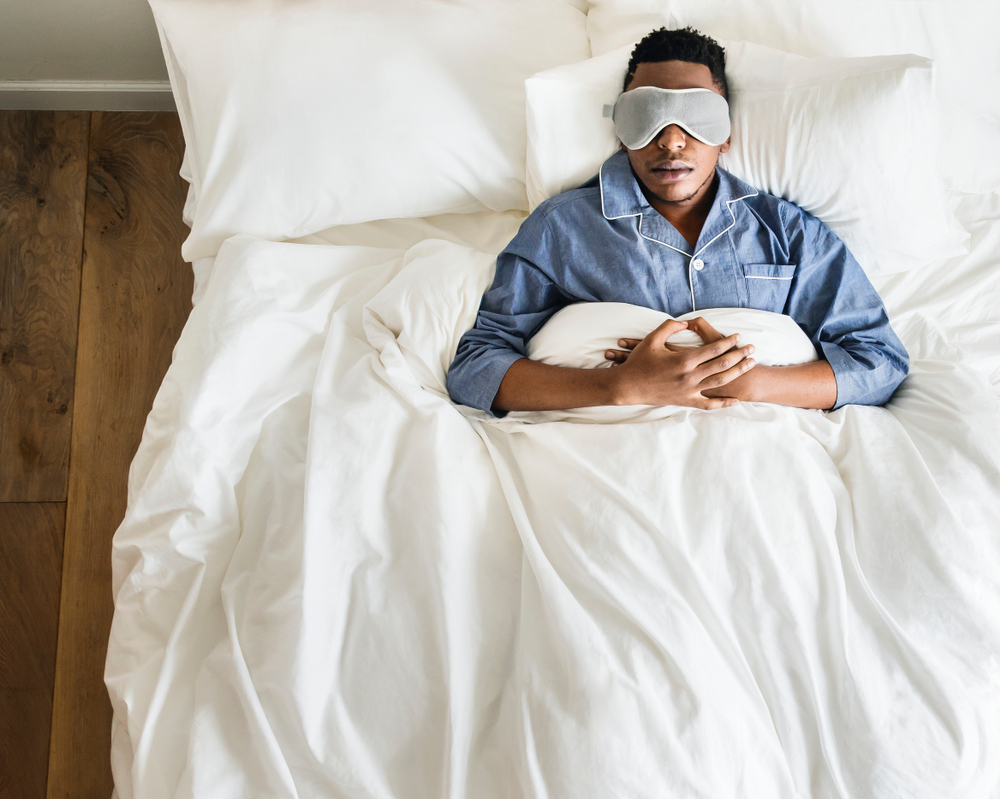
x=675, y=167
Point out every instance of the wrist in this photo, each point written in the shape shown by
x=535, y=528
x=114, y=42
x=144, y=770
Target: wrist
x=616, y=387
x=751, y=386
x=748, y=387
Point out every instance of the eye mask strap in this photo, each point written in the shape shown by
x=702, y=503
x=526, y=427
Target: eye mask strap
x=642, y=113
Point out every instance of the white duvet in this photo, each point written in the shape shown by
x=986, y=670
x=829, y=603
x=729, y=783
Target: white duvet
x=332, y=582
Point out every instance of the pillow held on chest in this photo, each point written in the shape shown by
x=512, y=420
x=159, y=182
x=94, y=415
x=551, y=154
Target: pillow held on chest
x=580, y=334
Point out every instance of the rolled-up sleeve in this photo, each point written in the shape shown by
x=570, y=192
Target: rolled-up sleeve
x=520, y=301
x=834, y=302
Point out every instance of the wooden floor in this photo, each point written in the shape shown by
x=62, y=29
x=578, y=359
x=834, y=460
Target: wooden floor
x=93, y=295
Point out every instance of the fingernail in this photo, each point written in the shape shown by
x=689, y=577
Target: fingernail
x=751, y=362
x=751, y=349
x=609, y=354
x=621, y=342
x=739, y=338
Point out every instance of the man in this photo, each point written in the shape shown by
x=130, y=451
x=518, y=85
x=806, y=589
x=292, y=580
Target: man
x=663, y=226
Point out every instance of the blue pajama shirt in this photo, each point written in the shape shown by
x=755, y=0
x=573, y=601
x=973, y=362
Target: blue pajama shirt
x=603, y=242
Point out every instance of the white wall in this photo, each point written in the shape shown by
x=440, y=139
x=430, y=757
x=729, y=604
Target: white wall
x=90, y=40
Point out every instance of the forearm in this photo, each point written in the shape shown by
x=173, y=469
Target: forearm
x=533, y=386
x=654, y=373
x=807, y=385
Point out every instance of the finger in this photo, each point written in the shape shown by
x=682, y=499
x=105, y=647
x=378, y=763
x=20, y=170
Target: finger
x=711, y=351
x=713, y=404
x=728, y=360
x=629, y=343
x=707, y=333
x=616, y=355
x=721, y=378
x=665, y=331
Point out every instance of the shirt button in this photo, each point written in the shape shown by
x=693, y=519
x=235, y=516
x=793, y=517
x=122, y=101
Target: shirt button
x=698, y=264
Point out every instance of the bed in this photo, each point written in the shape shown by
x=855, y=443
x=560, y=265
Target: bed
x=332, y=581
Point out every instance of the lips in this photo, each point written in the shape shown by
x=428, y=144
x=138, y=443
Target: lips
x=671, y=171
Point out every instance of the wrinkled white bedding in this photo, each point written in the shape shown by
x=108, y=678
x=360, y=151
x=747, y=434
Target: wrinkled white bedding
x=333, y=583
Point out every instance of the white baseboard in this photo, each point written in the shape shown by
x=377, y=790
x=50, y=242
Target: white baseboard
x=80, y=95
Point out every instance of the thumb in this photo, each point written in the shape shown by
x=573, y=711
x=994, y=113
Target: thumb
x=659, y=336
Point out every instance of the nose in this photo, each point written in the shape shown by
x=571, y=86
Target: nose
x=671, y=137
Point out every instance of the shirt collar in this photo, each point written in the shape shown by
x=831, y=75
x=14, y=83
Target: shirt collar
x=621, y=196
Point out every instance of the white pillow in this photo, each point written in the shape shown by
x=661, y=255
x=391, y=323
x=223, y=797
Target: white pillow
x=851, y=140
x=961, y=35
x=427, y=307
x=302, y=115
x=580, y=334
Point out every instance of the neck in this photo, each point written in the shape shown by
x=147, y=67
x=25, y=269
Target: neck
x=687, y=216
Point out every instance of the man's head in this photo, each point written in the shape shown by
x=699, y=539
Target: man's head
x=685, y=44
x=675, y=167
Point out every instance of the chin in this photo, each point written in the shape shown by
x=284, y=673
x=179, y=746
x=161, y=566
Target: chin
x=679, y=192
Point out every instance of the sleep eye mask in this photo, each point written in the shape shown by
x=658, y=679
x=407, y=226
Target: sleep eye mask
x=642, y=113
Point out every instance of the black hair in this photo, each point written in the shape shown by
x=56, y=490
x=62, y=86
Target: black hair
x=684, y=44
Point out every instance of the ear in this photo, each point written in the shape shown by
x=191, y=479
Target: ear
x=725, y=146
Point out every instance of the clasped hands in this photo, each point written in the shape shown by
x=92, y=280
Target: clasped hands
x=656, y=372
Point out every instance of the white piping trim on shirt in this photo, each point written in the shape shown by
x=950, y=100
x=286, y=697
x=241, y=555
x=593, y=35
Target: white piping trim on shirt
x=691, y=258
x=764, y=277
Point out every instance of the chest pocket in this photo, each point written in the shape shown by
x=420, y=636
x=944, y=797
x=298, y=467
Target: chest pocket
x=768, y=285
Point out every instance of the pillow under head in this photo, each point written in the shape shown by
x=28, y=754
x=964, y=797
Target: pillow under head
x=960, y=35
x=851, y=140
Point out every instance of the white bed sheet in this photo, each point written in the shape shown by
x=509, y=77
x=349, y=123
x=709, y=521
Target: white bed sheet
x=331, y=582
x=961, y=295
x=484, y=231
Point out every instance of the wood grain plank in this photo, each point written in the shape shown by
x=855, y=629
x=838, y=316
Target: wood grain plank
x=43, y=170
x=31, y=543
x=135, y=298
